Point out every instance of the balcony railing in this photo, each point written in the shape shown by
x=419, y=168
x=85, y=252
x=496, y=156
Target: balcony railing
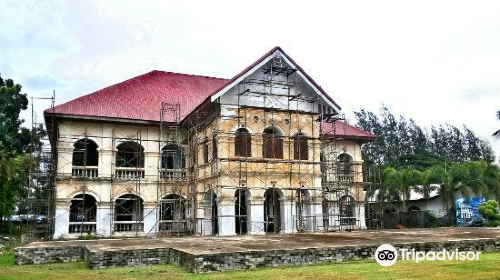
x=173, y=174
x=85, y=171
x=82, y=227
x=129, y=172
x=345, y=178
x=129, y=226
x=173, y=226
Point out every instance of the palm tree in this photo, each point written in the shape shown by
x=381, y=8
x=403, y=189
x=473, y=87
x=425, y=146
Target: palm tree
x=391, y=184
x=492, y=179
x=497, y=133
x=411, y=179
x=439, y=175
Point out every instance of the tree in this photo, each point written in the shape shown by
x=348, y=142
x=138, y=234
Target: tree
x=12, y=102
x=403, y=144
x=15, y=155
x=489, y=210
x=491, y=178
x=411, y=178
x=13, y=178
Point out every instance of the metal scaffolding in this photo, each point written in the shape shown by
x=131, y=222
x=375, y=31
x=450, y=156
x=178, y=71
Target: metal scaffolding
x=203, y=168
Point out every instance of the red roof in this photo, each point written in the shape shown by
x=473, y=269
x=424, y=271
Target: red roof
x=140, y=98
x=339, y=130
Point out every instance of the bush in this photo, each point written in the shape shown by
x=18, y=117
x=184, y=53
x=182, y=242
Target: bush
x=492, y=224
x=489, y=211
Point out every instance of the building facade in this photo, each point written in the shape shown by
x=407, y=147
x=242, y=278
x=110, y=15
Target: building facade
x=173, y=154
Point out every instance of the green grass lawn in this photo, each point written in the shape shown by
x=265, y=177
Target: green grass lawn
x=488, y=267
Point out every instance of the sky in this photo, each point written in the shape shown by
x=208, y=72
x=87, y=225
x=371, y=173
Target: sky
x=433, y=61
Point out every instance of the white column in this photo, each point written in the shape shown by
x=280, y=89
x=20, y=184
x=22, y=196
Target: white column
x=204, y=225
x=103, y=220
x=105, y=161
x=203, y=214
x=317, y=219
x=287, y=216
x=361, y=216
x=255, y=216
x=150, y=219
x=61, y=226
x=227, y=221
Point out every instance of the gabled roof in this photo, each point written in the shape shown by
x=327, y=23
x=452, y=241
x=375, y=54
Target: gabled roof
x=140, y=98
x=342, y=130
x=266, y=57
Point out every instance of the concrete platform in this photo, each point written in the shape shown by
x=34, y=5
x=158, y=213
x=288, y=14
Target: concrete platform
x=207, y=254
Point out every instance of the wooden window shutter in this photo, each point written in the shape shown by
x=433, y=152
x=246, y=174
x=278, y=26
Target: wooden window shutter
x=278, y=147
x=214, y=147
x=267, y=148
x=237, y=145
x=247, y=145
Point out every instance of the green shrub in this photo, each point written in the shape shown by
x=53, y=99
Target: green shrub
x=489, y=211
x=492, y=223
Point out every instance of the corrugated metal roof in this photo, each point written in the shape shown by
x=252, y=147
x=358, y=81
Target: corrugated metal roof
x=140, y=98
x=339, y=129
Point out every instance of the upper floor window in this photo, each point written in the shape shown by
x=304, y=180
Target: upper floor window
x=300, y=147
x=242, y=143
x=214, y=146
x=205, y=151
x=272, y=143
x=85, y=153
x=345, y=163
x=130, y=154
x=172, y=157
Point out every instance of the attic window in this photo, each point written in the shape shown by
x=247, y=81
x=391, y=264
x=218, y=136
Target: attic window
x=277, y=62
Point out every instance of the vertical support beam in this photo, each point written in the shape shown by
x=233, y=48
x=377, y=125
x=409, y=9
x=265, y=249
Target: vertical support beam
x=227, y=220
x=61, y=226
x=150, y=218
x=317, y=216
x=288, y=213
x=361, y=215
x=103, y=219
x=255, y=216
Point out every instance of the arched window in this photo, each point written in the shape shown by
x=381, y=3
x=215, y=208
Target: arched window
x=130, y=154
x=345, y=164
x=242, y=143
x=214, y=147
x=272, y=143
x=300, y=147
x=85, y=153
x=172, y=207
x=205, y=151
x=129, y=213
x=172, y=157
x=347, y=215
x=82, y=214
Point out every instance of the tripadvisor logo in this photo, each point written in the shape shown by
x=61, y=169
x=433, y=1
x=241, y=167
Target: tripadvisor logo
x=387, y=255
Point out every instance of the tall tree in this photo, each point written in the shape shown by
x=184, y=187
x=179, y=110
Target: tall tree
x=12, y=102
x=473, y=151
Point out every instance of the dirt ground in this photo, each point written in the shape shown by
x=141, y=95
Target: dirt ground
x=244, y=243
